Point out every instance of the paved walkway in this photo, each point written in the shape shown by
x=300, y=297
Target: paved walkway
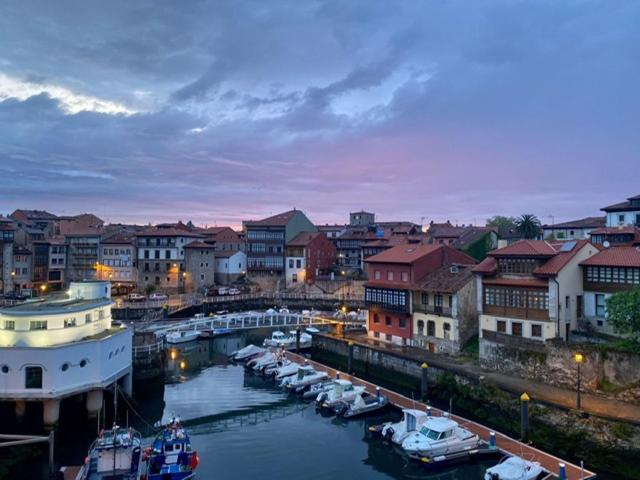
x=557, y=396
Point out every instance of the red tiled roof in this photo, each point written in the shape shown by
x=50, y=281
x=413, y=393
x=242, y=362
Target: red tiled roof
x=629, y=229
x=488, y=265
x=226, y=253
x=525, y=248
x=622, y=206
x=403, y=254
x=588, y=222
x=553, y=266
x=615, y=257
x=303, y=239
x=279, y=220
x=444, y=280
x=517, y=282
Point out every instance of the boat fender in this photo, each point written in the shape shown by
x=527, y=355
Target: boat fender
x=86, y=460
x=389, y=433
x=194, y=460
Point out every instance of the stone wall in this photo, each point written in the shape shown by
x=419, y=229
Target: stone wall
x=618, y=372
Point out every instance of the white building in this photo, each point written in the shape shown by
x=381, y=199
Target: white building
x=624, y=213
x=573, y=230
x=230, y=265
x=56, y=347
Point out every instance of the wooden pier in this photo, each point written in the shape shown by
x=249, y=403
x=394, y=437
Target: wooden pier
x=503, y=442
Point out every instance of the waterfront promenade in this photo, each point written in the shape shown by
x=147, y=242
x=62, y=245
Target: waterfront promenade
x=565, y=398
x=503, y=442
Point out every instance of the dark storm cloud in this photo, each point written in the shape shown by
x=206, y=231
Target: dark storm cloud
x=238, y=109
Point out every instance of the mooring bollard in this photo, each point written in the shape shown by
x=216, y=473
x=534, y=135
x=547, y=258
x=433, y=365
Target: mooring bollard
x=298, y=340
x=424, y=388
x=428, y=411
x=492, y=440
x=524, y=417
x=350, y=358
x=562, y=474
x=378, y=392
x=337, y=375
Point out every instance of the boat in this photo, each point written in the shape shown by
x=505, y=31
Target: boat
x=317, y=388
x=412, y=420
x=271, y=370
x=182, y=337
x=286, y=371
x=312, y=330
x=171, y=456
x=115, y=454
x=305, y=377
x=439, y=436
x=258, y=363
x=278, y=339
x=363, y=404
x=514, y=468
x=246, y=353
x=342, y=391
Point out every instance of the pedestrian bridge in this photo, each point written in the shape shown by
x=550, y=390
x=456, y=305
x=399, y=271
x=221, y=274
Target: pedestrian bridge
x=245, y=321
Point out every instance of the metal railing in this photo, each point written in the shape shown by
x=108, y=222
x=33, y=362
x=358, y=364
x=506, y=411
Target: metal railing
x=147, y=349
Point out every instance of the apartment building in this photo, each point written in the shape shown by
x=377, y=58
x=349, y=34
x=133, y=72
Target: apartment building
x=7, y=231
x=231, y=265
x=117, y=263
x=309, y=255
x=200, y=266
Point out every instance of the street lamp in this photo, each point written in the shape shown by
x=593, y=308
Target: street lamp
x=579, y=359
x=344, y=321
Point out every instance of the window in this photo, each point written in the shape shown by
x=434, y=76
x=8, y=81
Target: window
x=38, y=325
x=501, y=326
x=420, y=327
x=388, y=337
x=291, y=263
x=376, y=318
x=638, y=219
x=202, y=276
x=431, y=328
x=167, y=254
x=600, y=305
x=516, y=329
x=402, y=322
x=387, y=321
x=536, y=330
x=294, y=278
x=157, y=254
x=298, y=263
x=567, y=302
x=405, y=276
x=621, y=219
x=100, y=314
x=424, y=298
x=33, y=377
x=9, y=325
x=69, y=322
x=376, y=334
x=390, y=276
x=377, y=275
x=87, y=318
x=450, y=301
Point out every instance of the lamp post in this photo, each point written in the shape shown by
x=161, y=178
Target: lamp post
x=344, y=321
x=578, y=358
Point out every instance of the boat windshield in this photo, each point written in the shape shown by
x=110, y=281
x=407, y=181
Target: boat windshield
x=430, y=434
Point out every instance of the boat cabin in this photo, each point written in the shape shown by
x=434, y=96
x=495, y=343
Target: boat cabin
x=439, y=428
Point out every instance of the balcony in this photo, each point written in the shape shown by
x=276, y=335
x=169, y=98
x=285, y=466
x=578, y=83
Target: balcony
x=433, y=310
x=514, y=312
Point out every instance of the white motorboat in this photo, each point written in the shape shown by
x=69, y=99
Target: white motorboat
x=362, y=404
x=270, y=370
x=286, y=371
x=514, y=468
x=182, y=336
x=342, y=391
x=257, y=361
x=115, y=453
x=279, y=339
x=246, y=353
x=412, y=421
x=317, y=388
x=311, y=330
x=305, y=377
x=439, y=436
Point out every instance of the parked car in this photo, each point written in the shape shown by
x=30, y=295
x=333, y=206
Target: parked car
x=234, y=291
x=223, y=291
x=158, y=296
x=136, y=297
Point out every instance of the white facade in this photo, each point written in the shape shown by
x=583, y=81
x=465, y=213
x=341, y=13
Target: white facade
x=295, y=269
x=116, y=262
x=54, y=348
x=568, y=233
x=229, y=268
x=616, y=219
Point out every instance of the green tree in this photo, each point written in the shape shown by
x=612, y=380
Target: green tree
x=528, y=226
x=500, y=221
x=623, y=313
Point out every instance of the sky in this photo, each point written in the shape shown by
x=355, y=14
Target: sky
x=217, y=111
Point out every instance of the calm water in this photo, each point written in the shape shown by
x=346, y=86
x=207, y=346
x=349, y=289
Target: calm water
x=245, y=428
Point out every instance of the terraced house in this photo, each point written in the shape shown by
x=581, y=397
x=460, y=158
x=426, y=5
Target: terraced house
x=396, y=276
x=528, y=293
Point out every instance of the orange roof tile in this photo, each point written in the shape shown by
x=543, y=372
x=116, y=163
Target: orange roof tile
x=525, y=248
x=615, y=257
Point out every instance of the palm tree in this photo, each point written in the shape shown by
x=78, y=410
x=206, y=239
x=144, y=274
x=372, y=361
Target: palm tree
x=528, y=226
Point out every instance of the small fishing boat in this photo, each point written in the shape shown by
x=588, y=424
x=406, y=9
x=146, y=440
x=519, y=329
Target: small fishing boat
x=115, y=454
x=439, y=436
x=258, y=363
x=305, y=377
x=286, y=371
x=363, y=404
x=316, y=389
x=342, y=391
x=171, y=456
x=514, y=468
x=246, y=353
x=278, y=339
x=412, y=420
x=182, y=337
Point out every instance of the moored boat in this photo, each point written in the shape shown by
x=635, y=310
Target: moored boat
x=342, y=391
x=115, y=454
x=171, y=456
x=363, y=404
x=439, y=436
x=246, y=353
x=514, y=468
x=305, y=377
x=412, y=420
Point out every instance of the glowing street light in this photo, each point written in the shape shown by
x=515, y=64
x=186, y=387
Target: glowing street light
x=173, y=354
x=579, y=358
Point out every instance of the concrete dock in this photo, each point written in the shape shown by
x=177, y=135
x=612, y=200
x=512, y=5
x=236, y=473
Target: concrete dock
x=503, y=442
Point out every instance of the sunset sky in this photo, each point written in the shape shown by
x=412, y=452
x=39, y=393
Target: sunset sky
x=217, y=111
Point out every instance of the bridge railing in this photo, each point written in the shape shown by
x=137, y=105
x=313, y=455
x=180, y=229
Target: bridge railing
x=147, y=349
